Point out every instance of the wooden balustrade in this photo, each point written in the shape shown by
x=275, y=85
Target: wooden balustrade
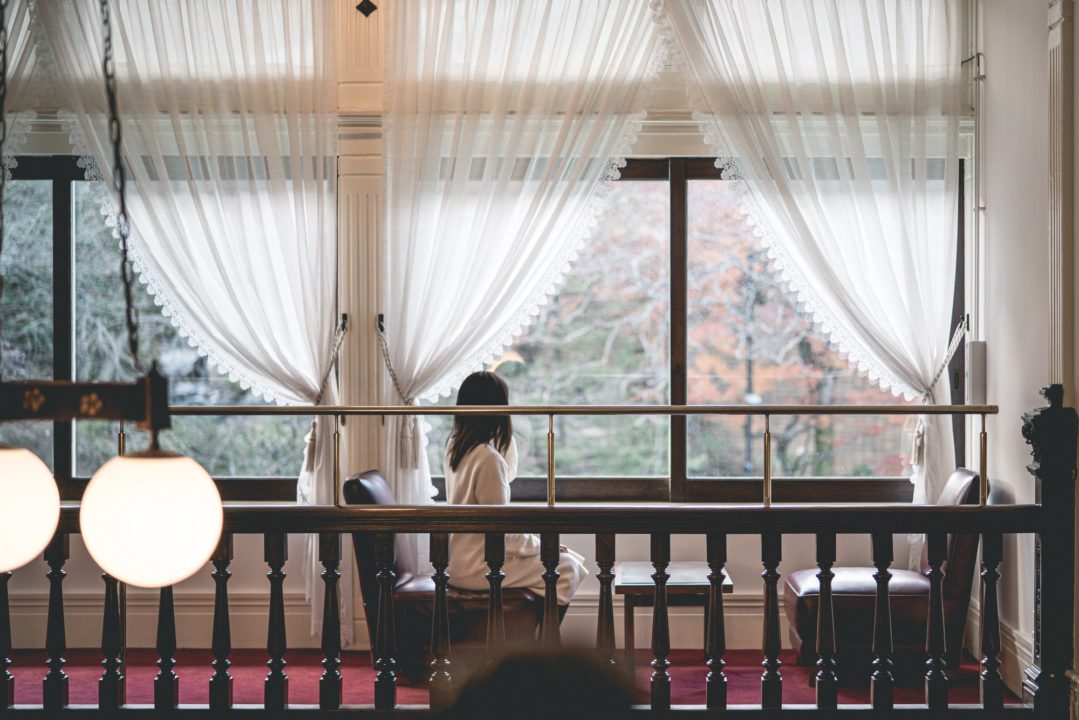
x=992, y=685
x=111, y=685
x=167, y=682
x=882, y=684
x=827, y=680
x=771, y=679
x=661, y=634
x=7, y=679
x=936, y=679
x=275, y=551
x=605, y=553
x=385, y=626
x=330, y=685
x=54, y=688
x=495, y=557
x=1051, y=430
x=549, y=556
x=770, y=526
x=715, y=637
x=221, y=644
x=441, y=680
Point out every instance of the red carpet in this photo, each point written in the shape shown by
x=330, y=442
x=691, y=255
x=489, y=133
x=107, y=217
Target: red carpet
x=249, y=669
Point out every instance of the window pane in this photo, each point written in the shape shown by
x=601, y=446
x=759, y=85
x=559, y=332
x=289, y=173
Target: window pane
x=242, y=446
x=27, y=308
x=602, y=340
x=748, y=343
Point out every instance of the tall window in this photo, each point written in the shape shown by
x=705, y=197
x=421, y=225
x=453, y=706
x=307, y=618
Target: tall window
x=63, y=319
x=674, y=301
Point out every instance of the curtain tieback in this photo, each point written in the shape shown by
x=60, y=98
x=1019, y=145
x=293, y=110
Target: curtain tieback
x=409, y=438
x=917, y=449
x=312, y=436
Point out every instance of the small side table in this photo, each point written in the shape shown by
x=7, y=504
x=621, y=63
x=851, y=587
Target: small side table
x=687, y=587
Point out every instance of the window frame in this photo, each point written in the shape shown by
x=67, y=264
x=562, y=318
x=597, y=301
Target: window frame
x=677, y=486
x=63, y=171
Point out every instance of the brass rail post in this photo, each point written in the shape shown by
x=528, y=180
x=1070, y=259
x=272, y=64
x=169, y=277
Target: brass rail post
x=121, y=449
x=550, y=460
x=767, y=462
x=983, y=466
x=337, y=460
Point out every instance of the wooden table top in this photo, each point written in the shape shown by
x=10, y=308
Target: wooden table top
x=687, y=578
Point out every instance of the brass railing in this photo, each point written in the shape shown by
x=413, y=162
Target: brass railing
x=1050, y=520
x=551, y=411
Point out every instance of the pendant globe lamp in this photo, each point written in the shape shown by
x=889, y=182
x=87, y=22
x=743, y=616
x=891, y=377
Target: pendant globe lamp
x=29, y=499
x=153, y=518
x=29, y=507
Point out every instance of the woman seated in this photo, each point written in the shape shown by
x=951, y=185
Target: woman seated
x=480, y=464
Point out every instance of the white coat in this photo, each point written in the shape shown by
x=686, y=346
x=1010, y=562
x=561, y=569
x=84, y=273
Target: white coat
x=483, y=477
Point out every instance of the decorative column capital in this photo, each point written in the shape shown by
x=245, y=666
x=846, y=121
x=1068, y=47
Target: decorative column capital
x=1051, y=432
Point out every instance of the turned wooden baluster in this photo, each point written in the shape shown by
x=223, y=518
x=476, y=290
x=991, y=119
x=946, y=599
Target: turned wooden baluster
x=827, y=682
x=7, y=689
x=167, y=682
x=494, y=553
x=330, y=685
x=936, y=680
x=605, y=622
x=441, y=680
x=992, y=685
x=54, y=692
x=275, y=691
x=881, y=683
x=661, y=634
x=771, y=679
x=549, y=556
x=111, y=684
x=385, y=625
x=715, y=638
x=221, y=680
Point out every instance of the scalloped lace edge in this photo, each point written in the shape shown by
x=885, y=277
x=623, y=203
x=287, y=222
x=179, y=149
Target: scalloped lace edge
x=581, y=231
x=780, y=260
x=148, y=275
x=17, y=135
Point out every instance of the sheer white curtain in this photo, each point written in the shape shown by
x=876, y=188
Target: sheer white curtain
x=229, y=129
x=842, y=117
x=504, y=119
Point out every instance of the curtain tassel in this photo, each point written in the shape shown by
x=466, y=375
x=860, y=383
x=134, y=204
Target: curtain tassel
x=410, y=442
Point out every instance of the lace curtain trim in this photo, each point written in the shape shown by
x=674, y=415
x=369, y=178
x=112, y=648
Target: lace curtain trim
x=100, y=190
x=582, y=230
x=18, y=132
x=779, y=258
x=163, y=298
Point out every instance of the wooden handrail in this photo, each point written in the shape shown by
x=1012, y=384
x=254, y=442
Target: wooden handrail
x=591, y=519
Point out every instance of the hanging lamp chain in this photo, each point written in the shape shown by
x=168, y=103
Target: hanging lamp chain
x=3, y=165
x=119, y=182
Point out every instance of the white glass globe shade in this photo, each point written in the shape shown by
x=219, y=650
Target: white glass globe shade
x=151, y=519
x=29, y=507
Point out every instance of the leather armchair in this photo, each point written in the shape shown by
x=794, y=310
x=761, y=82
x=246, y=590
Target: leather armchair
x=414, y=594
x=854, y=593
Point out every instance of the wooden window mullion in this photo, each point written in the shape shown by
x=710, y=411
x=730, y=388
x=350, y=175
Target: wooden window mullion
x=679, y=322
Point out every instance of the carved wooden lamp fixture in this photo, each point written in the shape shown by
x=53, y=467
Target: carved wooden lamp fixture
x=132, y=499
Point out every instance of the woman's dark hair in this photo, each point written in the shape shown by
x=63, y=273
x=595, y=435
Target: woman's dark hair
x=480, y=388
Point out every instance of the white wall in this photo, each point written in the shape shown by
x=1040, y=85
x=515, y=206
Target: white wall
x=1016, y=289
